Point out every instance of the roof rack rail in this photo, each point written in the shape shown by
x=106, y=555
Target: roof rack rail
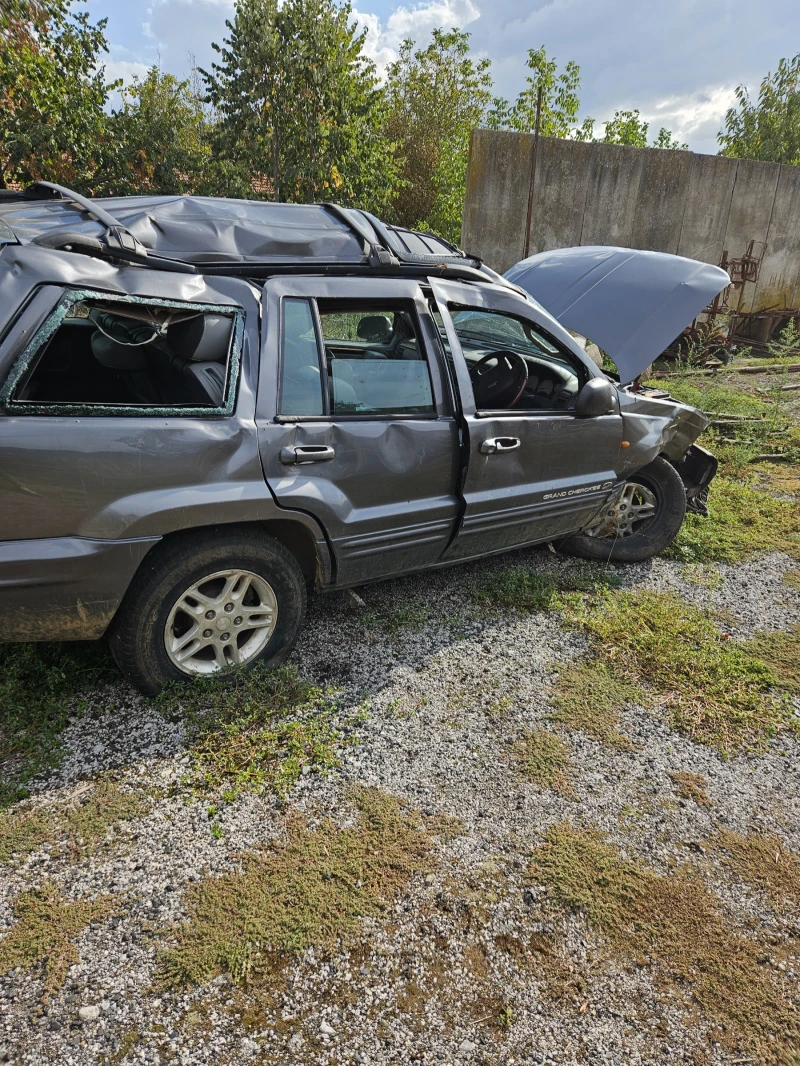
x=120, y=242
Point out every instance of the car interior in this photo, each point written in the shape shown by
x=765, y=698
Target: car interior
x=116, y=354
x=514, y=365
x=372, y=356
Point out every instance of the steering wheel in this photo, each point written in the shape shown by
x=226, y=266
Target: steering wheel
x=498, y=379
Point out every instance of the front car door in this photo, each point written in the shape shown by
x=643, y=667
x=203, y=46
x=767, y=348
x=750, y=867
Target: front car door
x=535, y=471
x=355, y=423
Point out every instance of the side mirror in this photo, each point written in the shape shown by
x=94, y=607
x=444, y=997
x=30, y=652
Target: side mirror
x=597, y=397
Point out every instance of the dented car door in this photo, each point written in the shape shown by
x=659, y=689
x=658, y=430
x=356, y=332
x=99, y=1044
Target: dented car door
x=532, y=474
x=359, y=431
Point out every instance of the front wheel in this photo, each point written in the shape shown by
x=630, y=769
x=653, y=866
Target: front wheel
x=206, y=602
x=641, y=521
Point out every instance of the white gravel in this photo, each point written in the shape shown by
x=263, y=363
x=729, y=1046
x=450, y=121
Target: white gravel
x=427, y=983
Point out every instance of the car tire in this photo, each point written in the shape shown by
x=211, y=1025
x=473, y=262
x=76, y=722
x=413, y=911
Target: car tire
x=661, y=480
x=179, y=586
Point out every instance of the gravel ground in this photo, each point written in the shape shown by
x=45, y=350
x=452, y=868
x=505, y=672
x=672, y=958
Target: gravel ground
x=440, y=978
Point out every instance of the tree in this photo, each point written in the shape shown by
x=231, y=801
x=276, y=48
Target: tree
x=298, y=110
x=768, y=128
x=560, y=101
x=437, y=95
x=52, y=93
x=157, y=139
x=628, y=127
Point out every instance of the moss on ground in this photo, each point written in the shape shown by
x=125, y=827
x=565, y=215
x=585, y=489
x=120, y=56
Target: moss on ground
x=309, y=890
x=45, y=928
x=256, y=730
x=781, y=652
x=518, y=588
x=678, y=926
x=544, y=758
x=691, y=787
x=764, y=861
x=40, y=689
x=713, y=690
x=80, y=827
x=743, y=522
x=588, y=696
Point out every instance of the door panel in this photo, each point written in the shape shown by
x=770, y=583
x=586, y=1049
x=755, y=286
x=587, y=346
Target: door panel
x=386, y=496
x=549, y=484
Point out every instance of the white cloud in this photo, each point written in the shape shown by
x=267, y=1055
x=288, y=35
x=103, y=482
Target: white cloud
x=694, y=118
x=384, y=40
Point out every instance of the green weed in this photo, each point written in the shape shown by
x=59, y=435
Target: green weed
x=517, y=588
x=714, y=690
x=764, y=861
x=40, y=685
x=44, y=930
x=256, y=730
x=781, y=652
x=678, y=926
x=589, y=696
x=544, y=758
x=311, y=889
x=791, y=578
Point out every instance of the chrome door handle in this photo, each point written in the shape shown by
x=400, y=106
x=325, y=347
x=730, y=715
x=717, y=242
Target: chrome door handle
x=308, y=453
x=499, y=444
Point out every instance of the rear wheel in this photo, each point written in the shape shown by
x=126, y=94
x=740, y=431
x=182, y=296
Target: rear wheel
x=206, y=602
x=641, y=521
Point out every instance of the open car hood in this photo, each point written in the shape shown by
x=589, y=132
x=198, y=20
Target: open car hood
x=632, y=304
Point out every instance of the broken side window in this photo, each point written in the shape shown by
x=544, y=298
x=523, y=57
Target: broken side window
x=106, y=355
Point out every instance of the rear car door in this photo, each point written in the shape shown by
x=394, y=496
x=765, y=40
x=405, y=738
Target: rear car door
x=535, y=471
x=355, y=423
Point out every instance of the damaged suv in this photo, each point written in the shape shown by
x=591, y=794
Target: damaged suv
x=207, y=406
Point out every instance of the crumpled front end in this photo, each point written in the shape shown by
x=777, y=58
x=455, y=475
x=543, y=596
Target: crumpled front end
x=656, y=425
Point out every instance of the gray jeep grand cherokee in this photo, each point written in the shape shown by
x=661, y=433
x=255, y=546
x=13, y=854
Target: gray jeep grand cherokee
x=207, y=406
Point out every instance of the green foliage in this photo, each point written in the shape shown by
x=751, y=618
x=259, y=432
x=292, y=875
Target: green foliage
x=787, y=344
x=768, y=128
x=560, y=101
x=781, y=652
x=743, y=522
x=517, y=588
x=44, y=930
x=157, y=139
x=714, y=690
x=544, y=758
x=255, y=730
x=436, y=96
x=52, y=94
x=628, y=127
x=311, y=889
x=678, y=926
x=299, y=112
x=38, y=686
x=589, y=696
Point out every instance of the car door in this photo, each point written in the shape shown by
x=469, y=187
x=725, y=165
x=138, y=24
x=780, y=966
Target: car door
x=355, y=423
x=532, y=474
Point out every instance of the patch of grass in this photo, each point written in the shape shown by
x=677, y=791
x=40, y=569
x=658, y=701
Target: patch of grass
x=781, y=652
x=706, y=577
x=256, y=730
x=44, y=930
x=715, y=397
x=691, y=786
x=311, y=889
x=589, y=696
x=544, y=758
x=714, y=691
x=80, y=827
x=677, y=925
x=743, y=522
x=40, y=689
x=763, y=861
x=517, y=588
x=791, y=578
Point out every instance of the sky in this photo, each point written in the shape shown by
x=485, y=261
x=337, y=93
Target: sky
x=678, y=62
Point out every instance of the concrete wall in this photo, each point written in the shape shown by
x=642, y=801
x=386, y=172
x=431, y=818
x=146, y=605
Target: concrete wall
x=692, y=205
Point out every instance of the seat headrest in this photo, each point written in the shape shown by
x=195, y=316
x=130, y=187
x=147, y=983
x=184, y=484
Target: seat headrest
x=116, y=356
x=376, y=328
x=202, y=339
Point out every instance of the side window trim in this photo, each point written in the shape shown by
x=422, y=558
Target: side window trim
x=38, y=343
